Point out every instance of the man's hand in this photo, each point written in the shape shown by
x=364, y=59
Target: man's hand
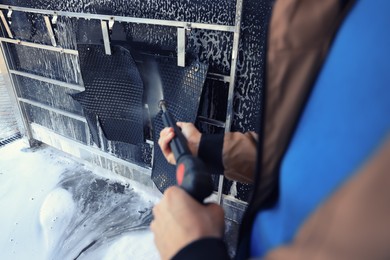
x=190, y=133
x=180, y=220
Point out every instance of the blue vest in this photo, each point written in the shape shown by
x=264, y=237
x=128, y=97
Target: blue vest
x=346, y=119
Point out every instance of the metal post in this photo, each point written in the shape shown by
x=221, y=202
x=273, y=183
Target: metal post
x=39, y=46
x=50, y=31
x=5, y=23
x=53, y=109
x=106, y=37
x=126, y=19
x=233, y=70
x=181, y=47
x=48, y=80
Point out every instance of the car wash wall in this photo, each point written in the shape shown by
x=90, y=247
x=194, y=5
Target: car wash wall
x=82, y=74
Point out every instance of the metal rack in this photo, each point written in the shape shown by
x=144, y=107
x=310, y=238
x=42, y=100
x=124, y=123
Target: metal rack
x=107, y=22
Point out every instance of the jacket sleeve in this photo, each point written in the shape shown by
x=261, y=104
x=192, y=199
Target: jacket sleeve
x=205, y=249
x=234, y=153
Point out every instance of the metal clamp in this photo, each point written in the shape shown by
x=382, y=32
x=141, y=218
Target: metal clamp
x=188, y=27
x=9, y=15
x=54, y=19
x=111, y=24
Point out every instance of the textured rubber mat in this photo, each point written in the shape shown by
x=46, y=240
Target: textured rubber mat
x=182, y=88
x=113, y=93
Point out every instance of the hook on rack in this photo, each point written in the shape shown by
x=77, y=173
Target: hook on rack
x=181, y=44
x=111, y=24
x=54, y=19
x=9, y=15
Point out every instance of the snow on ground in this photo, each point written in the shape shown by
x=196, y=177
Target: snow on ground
x=53, y=207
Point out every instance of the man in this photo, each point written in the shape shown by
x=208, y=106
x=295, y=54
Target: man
x=321, y=184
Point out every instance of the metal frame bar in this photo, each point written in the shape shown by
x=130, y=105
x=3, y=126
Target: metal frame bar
x=233, y=66
x=52, y=109
x=5, y=23
x=106, y=37
x=50, y=31
x=39, y=46
x=48, y=80
x=216, y=27
x=92, y=149
x=233, y=71
x=181, y=47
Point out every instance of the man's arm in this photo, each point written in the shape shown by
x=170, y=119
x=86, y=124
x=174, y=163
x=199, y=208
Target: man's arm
x=234, y=153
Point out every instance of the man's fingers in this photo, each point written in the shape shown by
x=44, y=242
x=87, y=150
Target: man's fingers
x=164, y=140
x=166, y=132
x=179, y=220
x=166, y=135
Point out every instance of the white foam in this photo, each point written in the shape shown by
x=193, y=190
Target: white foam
x=35, y=212
x=55, y=215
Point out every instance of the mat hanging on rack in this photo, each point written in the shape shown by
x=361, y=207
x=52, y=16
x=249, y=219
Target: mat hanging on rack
x=182, y=88
x=113, y=94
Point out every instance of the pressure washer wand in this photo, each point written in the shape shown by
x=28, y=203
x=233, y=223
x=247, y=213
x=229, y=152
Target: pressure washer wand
x=191, y=173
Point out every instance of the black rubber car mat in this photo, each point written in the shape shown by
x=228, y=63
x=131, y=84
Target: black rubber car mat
x=113, y=93
x=182, y=88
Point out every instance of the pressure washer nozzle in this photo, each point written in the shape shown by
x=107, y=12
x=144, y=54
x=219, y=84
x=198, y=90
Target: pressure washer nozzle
x=162, y=105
